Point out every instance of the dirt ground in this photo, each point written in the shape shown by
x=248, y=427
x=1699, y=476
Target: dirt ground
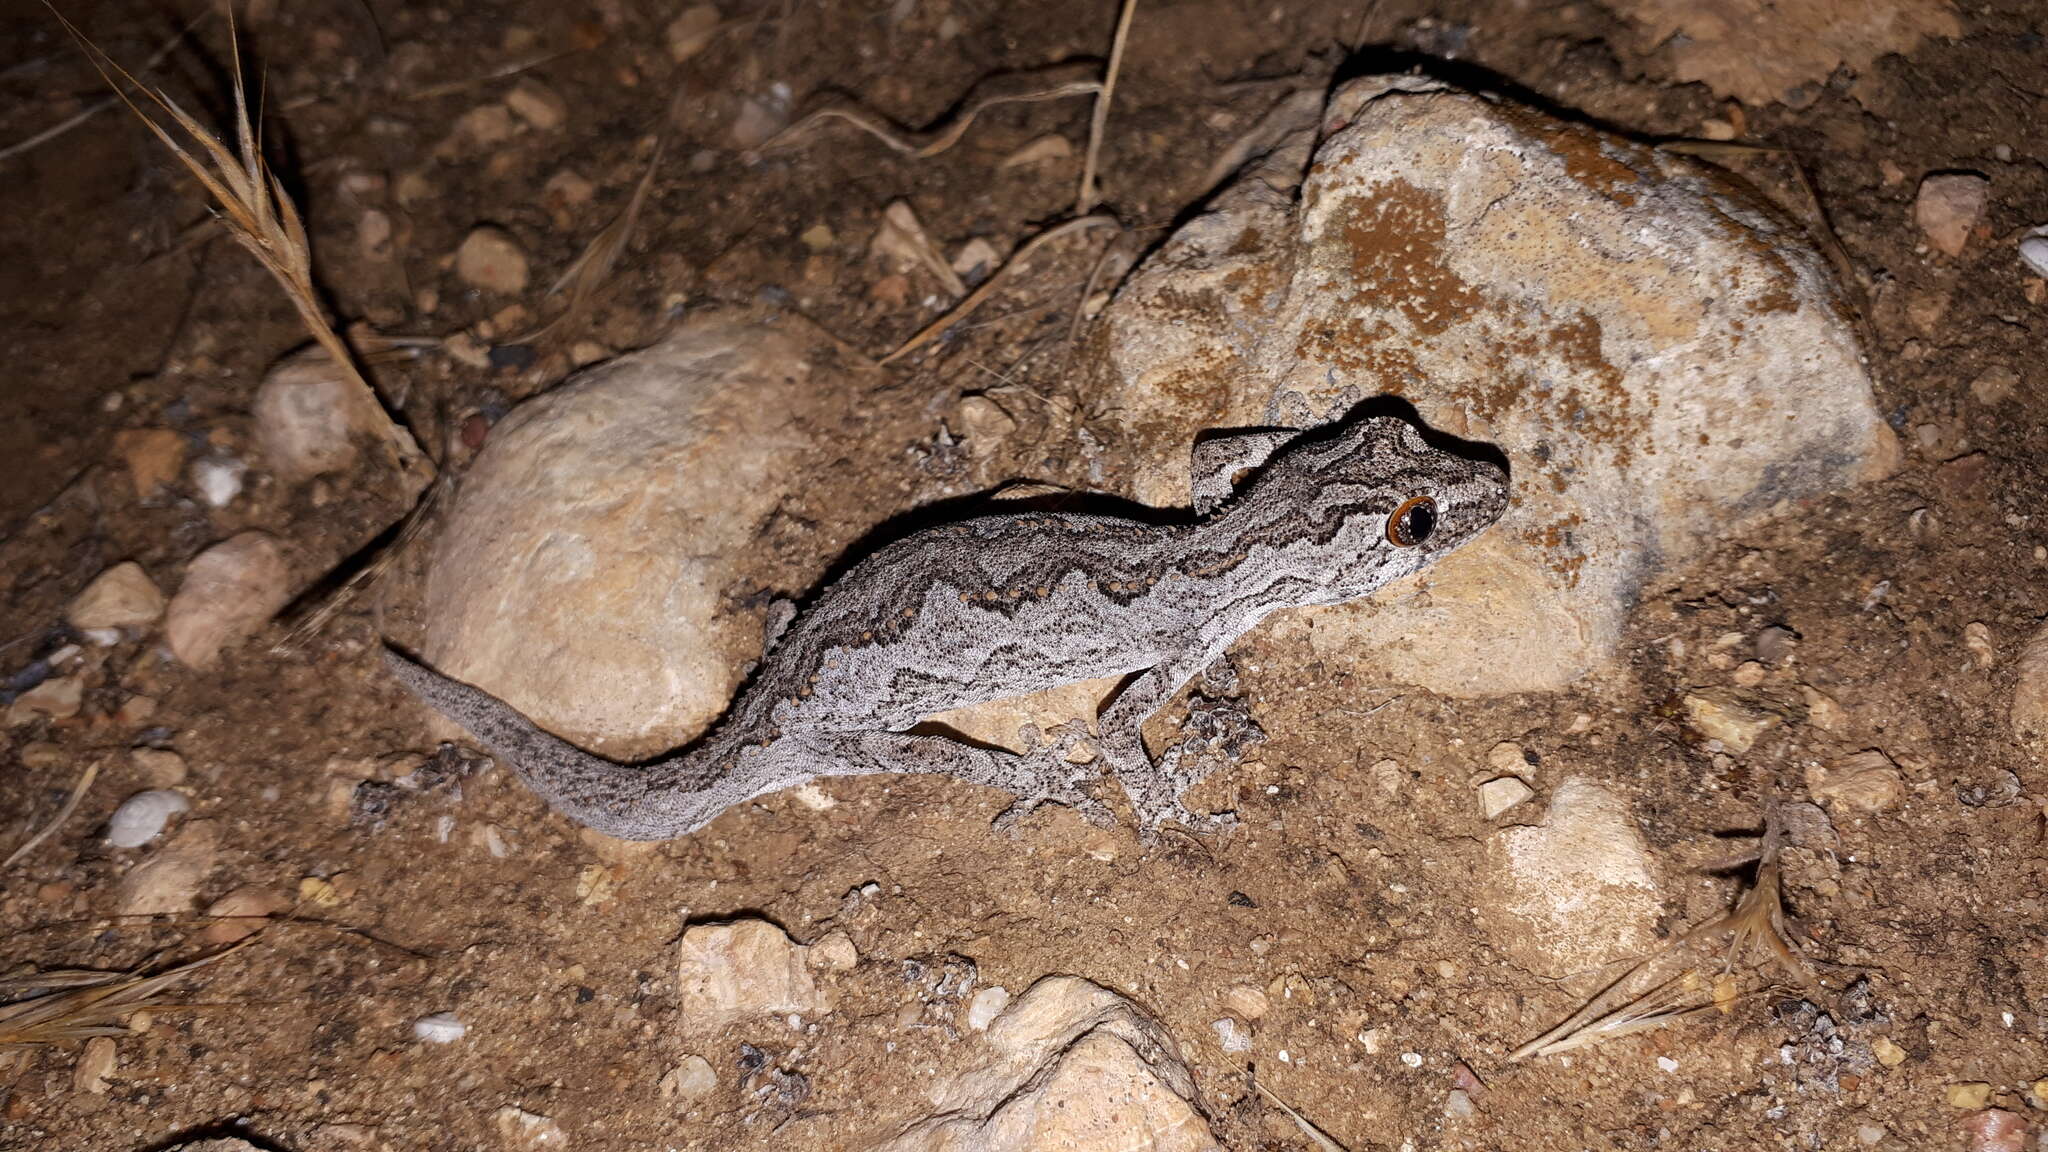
x=122, y=308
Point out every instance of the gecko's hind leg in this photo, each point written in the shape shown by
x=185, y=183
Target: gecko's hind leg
x=1041, y=776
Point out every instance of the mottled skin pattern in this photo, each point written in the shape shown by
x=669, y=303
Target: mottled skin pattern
x=1007, y=604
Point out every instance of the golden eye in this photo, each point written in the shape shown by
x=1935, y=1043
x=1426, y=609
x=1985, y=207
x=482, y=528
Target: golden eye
x=1412, y=522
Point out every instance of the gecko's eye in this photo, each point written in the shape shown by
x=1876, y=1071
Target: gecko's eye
x=1412, y=522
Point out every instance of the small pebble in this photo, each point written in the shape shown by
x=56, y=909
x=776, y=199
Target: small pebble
x=1412, y=1059
x=141, y=817
x=986, y=1005
x=1969, y=1094
x=1497, y=796
x=2034, y=253
x=1996, y=1130
x=1977, y=640
x=1948, y=206
x=168, y=881
x=1717, y=717
x=492, y=260
x=1867, y=781
x=155, y=457
x=519, y=1128
x=689, y=33
x=1508, y=759
x=1667, y=1064
x=1233, y=1035
x=537, y=104
x=1458, y=1104
x=218, y=479
x=95, y=1064
x=1246, y=1001
x=440, y=1028
x=1868, y=1134
x=121, y=597
x=241, y=914
x=230, y=590
x=834, y=952
x=689, y=1081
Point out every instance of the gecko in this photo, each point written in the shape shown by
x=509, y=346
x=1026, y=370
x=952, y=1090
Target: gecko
x=1009, y=603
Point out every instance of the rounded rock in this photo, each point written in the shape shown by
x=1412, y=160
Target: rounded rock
x=230, y=590
x=492, y=260
x=121, y=597
x=141, y=817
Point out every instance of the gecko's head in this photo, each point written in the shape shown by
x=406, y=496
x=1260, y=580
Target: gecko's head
x=1386, y=502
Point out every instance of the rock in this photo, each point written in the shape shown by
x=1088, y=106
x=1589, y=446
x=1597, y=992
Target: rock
x=902, y=242
x=690, y=1081
x=1995, y=1130
x=2034, y=252
x=312, y=418
x=833, y=952
x=1948, y=206
x=155, y=458
x=518, y=1128
x=121, y=597
x=492, y=260
x=1499, y=795
x=1865, y=782
x=758, y=121
x=1508, y=759
x=975, y=260
x=159, y=767
x=983, y=423
x=1039, y=151
x=218, y=479
x=1969, y=1094
x=169, y=880
x=59, y=698
x=1721, y=716
x=141, y=817
x=485, y=126
x=537, y=104
x=1246, y=1001
x=230, y=591
x=986, y=1005
x=440, y=1028
x=1233, y=1035
x=1977, y=641
x=1888, y=1052
x=375, y=234
x=690, y=32
x=1001, y=723
x=1662, y=361
x=1775, y=645
x=95, y=1064
x=626, y=495
x=2029, y=710
x=739, y=970
x=241, y=914
x=1822, y=710
x=1574, y=893
x=1070, y=1065
x=1995, y=385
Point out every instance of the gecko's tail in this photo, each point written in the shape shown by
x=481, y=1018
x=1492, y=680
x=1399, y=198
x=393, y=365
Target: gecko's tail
x=654, y=801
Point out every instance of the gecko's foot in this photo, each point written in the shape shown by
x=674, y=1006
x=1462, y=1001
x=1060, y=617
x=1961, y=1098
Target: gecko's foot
x=1174, y=817
x=1055, y=781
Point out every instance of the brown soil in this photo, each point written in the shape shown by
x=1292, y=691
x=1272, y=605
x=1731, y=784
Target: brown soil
x=123, y=308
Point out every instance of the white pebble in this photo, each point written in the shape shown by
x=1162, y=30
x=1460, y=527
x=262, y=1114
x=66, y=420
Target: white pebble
x=219, y=480
x=2034, y=251
x=1412, y=1059
x=1234, y=1036
x=440, y=1028
x=1667, y=1064
x=986, y=1005
x=141, y=817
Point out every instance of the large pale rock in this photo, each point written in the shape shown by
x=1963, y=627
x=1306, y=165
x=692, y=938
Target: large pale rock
x=1070, y=1066
x=1575, y=892
x=741, y=970
x=230, y=591
x=605, y=518
x=169, y=880
x=1660, y=357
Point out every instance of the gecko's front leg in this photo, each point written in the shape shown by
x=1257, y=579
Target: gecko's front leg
x=1154, y=786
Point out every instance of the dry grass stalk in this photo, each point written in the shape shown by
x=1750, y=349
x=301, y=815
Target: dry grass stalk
x=78, y=792
x=1675, y=982
x=975, y=299
x=923, y=145
x=524, y=64
x=593, y=267
x=1085, y=202
x=1321, y=1139
x=99, y=106
x=70, y=1004
x=251, y=202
